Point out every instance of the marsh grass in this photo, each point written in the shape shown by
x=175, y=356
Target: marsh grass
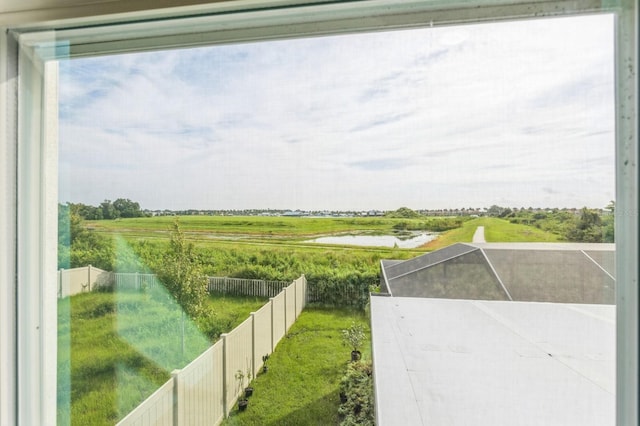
x=290, y=227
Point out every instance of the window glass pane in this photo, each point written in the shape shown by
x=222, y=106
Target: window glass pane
x=262, y=147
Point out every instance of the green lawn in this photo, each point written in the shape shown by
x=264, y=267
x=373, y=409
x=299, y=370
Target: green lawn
x=503, y=231
x=302, y=384
x=124, y=346
x=115, y=349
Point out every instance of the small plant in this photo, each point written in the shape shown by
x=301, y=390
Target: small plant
x=240, y=378
x=265, y=358
x=248, y=391
x=242, y=400
x=353, y=337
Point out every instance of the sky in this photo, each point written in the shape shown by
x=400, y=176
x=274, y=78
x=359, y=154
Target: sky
x=516, y=114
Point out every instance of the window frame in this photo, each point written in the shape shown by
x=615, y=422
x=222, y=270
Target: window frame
x=28, y=157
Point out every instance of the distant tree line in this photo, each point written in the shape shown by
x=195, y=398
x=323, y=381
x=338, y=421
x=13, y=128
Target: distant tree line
x=120, y=208
x=576, y=225
x=430, y=224
x=79, y=246
x=584, y=225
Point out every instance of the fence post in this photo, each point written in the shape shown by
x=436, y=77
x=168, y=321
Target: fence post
x=253, y=346
x=272, y=331
x=176, y=398
x=285, y=310
x=295, y=300
x=89, y=277
x=225, y=407
x=305, y=293
x=296, y=289
x=138, y=286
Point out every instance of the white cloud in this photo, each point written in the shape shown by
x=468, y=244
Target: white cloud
x=517, y=113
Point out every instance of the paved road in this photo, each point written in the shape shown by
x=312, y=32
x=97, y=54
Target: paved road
x=478, y=236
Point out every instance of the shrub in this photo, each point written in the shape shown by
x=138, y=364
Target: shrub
x=182, y=274
x=212, y=326
x=356, y=387
x=341, y=289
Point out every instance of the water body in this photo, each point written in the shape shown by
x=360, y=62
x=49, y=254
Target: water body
x=377, y=240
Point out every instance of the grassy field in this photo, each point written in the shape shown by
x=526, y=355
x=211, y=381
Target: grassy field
x=495, y=231
x=253, y=229
x=115, y=349
x=500, y=230
x=265, y=226
x=253, y=240
x=302, y=384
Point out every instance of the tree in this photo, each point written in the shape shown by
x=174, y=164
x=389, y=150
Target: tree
x=404, y=213
x=587, y=228
x=608, y=223
x=64, y=236
x=108, y=211
x=127, y=208
x=182, y=274
x=183, y=277
x=611, y=207
x=495, y=211
x=85, y=211
x=507, y=212
x=78, y=246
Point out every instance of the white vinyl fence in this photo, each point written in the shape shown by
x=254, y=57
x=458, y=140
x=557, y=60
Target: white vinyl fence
x=205, y=391
x=79, y=280
x=89, y=278
x=245, y=287
x=132, y=281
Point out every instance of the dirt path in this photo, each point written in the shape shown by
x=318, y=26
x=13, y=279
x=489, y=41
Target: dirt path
x=478, y=236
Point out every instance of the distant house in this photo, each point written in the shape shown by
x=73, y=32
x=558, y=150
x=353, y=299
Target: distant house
x=497, y=334
x=296, y=213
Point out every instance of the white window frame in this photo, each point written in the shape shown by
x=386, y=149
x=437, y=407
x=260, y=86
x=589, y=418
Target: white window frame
x=28, y=151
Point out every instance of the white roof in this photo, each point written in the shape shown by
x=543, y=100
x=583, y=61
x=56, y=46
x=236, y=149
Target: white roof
x=470, y=362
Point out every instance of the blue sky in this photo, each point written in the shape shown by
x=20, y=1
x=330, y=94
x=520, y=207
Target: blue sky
x=517, y=114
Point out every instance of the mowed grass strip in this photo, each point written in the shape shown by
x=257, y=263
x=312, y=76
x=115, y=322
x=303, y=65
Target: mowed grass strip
x=495, y=231
x=501, y=230
x=302, y=384
x=116, y=349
